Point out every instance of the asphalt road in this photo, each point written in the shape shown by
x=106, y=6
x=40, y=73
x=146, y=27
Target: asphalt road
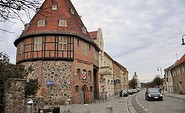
x=168, y=105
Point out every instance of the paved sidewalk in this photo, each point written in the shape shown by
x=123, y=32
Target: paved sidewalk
x=118, y=105
x=175, y=95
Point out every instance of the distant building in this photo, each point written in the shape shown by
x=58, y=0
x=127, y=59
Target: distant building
x=175, y=76
x=4, y=57
x=138, y=84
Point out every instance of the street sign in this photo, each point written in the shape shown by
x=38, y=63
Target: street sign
x=49, y=83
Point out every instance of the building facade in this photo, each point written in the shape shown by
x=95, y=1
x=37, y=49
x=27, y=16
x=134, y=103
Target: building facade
x=106, y=86
x=178, y=74
x=61, y=53
x=138, y=83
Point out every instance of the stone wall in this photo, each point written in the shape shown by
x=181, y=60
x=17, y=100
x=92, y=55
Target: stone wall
x=15, y=96
x=59, y=72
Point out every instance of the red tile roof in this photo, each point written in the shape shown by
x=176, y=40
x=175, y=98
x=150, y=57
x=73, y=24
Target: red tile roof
x=182, y=60
x=52, y=17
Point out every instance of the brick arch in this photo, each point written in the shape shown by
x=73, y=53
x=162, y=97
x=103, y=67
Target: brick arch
x=87, y=94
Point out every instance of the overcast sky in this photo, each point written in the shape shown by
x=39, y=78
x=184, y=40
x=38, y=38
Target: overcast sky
x=142, y=35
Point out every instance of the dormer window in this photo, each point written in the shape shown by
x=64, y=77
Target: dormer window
x=62, y=22
x=54, y=7
x=72, y=11
x=84, y=30
x=41, y=22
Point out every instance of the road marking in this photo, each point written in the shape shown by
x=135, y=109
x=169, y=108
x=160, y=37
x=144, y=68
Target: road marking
x=127, y=104
x=141, y=105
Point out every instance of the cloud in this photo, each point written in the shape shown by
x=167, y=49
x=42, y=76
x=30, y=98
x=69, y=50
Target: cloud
x=140, y=34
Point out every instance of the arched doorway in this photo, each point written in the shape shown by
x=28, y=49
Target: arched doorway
x=84, y=95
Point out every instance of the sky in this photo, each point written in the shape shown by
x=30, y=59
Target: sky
x=142, y=35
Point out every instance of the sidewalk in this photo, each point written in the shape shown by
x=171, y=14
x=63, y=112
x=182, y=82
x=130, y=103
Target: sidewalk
x=174, y=95
x=115, y=104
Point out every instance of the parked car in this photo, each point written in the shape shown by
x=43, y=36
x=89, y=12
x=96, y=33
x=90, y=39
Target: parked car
x=123, y=93
x=134, y=90
x=130, y=92
x=153, y=94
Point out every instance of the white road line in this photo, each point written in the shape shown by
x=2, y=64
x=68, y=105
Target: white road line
x=127, y=104
x=141, y=105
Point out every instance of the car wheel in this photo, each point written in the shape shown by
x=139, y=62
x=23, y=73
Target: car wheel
x=161, y=99
x=148, y=99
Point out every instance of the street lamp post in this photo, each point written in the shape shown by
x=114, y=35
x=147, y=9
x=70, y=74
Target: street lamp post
x=160, y=69
x=183, y=43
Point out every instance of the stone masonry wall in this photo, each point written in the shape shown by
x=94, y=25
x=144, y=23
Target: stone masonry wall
x=15, y=96
x=59, y=72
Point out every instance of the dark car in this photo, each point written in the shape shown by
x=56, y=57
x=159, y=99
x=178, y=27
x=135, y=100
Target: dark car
x=123, y=93
x=153, y=94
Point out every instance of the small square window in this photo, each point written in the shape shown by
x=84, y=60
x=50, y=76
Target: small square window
x=72, y=11
x=62, y=22
x=54, y=7
x=84, y=30
x=41, y=23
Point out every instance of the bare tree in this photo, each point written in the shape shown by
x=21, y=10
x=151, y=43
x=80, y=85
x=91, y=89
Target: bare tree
x=12, y=9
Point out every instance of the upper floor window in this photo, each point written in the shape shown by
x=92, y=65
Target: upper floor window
x=84, y=49
x=41, y=22
x=84, y=30
x=54, y=7
x=95, y=55
x=37, y=43
x=62, y=22
x=62, y=43
x=72, y=11
x=78, y=42
x=21, y=47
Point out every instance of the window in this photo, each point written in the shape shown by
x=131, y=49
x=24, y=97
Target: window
x=89, y=47
x=78, y=42
x=95, y=55
x=84, y=74
x=62, y=43
x=54, y=7
x=72, y=11
x=41, y=23
x=84, y=30
x=37, y=43
x=62, y=22
x=91, y=89
x=84, y=49
x=89, y=73
x=76, y=88
x=78, y=73
x=21, y=47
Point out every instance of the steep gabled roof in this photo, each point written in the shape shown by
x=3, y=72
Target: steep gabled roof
x=182, y=60
x=65, y=10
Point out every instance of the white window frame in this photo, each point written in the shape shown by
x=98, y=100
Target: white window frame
x=84, y=48
x=62, y=22
x=54, y=7
x=72, y=11
x=38, y=43
x=84, y=30
x=41, y=22
x=62, y=43
x=21, y=47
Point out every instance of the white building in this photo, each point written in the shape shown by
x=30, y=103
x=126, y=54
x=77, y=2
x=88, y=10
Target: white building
x=138, y=83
